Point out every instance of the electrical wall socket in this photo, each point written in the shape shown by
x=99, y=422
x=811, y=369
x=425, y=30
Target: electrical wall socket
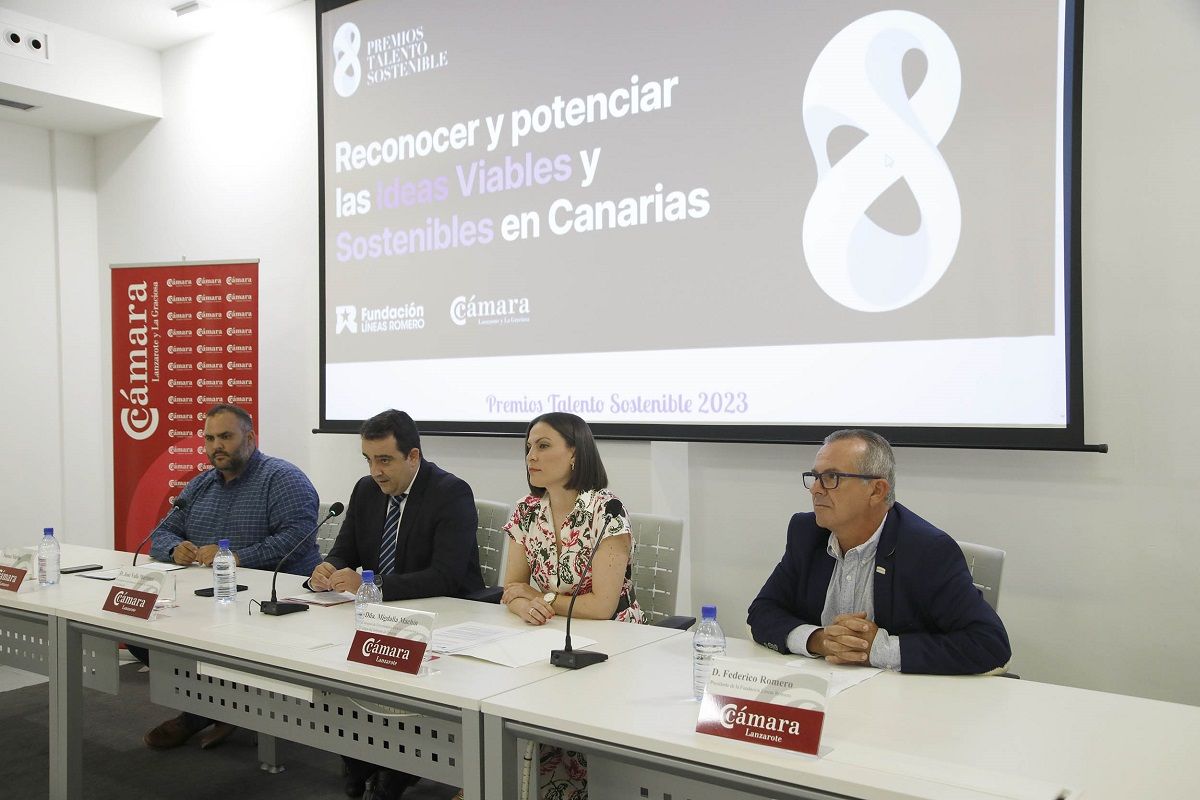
x=24, y=43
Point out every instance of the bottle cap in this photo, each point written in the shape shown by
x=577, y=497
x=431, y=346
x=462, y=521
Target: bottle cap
x=368, y=576
x=223, y=544
x=708, y=612
x=47, y=531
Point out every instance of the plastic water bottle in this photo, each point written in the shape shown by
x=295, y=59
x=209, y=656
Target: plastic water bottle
x=707, y=643
x=367, y=593
x=48, y=558
x=224, y=574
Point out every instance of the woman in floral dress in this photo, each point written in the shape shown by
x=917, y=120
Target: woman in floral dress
x=568, y=513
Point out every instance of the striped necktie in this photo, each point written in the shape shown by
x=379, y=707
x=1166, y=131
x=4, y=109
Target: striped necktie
x=391, y=530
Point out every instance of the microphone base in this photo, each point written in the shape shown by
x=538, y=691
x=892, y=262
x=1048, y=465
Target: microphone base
x=274, y=608
x=576, y=659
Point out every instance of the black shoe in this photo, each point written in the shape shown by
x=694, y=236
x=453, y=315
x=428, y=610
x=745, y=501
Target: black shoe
x=387, y=784
x=173, y=733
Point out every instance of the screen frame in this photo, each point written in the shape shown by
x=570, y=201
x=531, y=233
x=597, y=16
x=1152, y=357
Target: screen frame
x=1067, y=438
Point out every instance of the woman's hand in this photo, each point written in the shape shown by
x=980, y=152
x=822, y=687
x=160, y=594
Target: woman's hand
x=534, y=611
x=514, y=591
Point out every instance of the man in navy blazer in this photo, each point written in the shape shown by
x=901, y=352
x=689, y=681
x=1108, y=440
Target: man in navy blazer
x=436, y=551
x=866, y=581
x=432, y=552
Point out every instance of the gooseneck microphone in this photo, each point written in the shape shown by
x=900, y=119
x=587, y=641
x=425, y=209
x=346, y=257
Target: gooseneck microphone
x=181, y=504
x=578, y=659
x=275, y=608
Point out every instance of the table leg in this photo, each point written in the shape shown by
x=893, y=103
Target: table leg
x=500, y=746
x=472, y=748
x=268, y=759
x=66, y=710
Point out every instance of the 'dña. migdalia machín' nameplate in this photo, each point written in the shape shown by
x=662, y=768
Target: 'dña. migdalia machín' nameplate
x=392, y=638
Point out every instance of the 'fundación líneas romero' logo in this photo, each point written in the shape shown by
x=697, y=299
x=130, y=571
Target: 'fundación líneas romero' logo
x=346, y=319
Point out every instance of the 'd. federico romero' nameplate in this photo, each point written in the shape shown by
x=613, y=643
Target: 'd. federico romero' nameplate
x=764, y=703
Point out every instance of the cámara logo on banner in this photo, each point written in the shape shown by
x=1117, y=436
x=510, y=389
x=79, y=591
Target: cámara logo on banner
x=138, y=419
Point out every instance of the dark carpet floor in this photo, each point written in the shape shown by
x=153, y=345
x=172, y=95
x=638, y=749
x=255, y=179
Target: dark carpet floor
x=117, y=765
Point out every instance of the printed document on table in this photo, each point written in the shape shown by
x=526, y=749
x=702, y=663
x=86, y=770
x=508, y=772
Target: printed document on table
x=526, y=648
x=112, y=573
x=456, y=638
x=841, y=676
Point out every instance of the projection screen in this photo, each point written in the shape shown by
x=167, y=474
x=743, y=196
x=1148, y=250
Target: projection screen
x=715, y=221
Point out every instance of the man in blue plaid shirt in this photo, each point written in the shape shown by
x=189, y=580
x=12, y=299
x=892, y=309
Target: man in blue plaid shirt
x=263, y=505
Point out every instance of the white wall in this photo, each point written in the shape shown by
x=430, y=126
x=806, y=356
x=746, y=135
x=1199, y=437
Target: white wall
x=1101, y=580
x=29, y=405
x=83, y=311
x=89, y=83
x=230, y=173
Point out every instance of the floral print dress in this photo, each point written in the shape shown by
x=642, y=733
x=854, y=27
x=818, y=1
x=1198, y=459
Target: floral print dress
x=562, y=774
x=565, y=572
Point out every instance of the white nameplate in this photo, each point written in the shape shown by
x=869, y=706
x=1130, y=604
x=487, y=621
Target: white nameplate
x=16, y=564
x=133, y=592
x=393, y=638
x=763, y=703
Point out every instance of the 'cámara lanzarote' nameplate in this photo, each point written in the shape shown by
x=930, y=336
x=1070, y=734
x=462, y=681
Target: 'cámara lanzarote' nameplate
x=15, y=565
x=764, y=703
x=392, y=638
x=133, y=592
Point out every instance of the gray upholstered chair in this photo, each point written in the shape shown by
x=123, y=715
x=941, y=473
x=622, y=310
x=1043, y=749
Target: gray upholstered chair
x=986, y=565
x=492, y=542
x=327, y=533
x=491, y=539
x=657, y=541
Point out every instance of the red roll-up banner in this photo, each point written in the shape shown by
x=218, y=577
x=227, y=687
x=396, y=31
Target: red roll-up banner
x=184, y=338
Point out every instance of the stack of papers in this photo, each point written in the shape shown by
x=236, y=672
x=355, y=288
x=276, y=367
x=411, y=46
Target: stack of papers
x=162, y=566
x=112, y=573
x=322, y=598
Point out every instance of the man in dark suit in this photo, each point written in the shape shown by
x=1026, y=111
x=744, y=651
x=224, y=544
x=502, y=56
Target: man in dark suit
x=866, y=581
x=414, y=525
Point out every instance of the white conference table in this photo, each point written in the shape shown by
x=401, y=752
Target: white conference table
x=262, y=664
x=893, y=736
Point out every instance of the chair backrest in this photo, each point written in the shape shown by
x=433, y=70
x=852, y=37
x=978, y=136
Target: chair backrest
x=491, y=539
x=655, y=563
x=327, y=533
x=986, y=565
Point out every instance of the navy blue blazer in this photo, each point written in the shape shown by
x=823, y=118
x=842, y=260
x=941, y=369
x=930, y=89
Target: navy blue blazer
x=924, y=595
x=436, y=551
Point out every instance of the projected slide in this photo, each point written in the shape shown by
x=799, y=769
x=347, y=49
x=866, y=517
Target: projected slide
x=786, y=214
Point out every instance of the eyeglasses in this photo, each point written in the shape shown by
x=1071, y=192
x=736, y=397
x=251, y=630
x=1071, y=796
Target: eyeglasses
x=829, y=480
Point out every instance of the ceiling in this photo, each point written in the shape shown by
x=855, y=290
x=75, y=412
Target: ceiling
x=144, y=23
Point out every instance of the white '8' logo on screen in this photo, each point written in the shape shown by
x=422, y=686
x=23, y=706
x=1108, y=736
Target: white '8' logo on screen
x=857, y=82
x=347, y=72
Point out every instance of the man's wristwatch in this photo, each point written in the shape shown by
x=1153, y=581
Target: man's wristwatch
x=550, y=597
